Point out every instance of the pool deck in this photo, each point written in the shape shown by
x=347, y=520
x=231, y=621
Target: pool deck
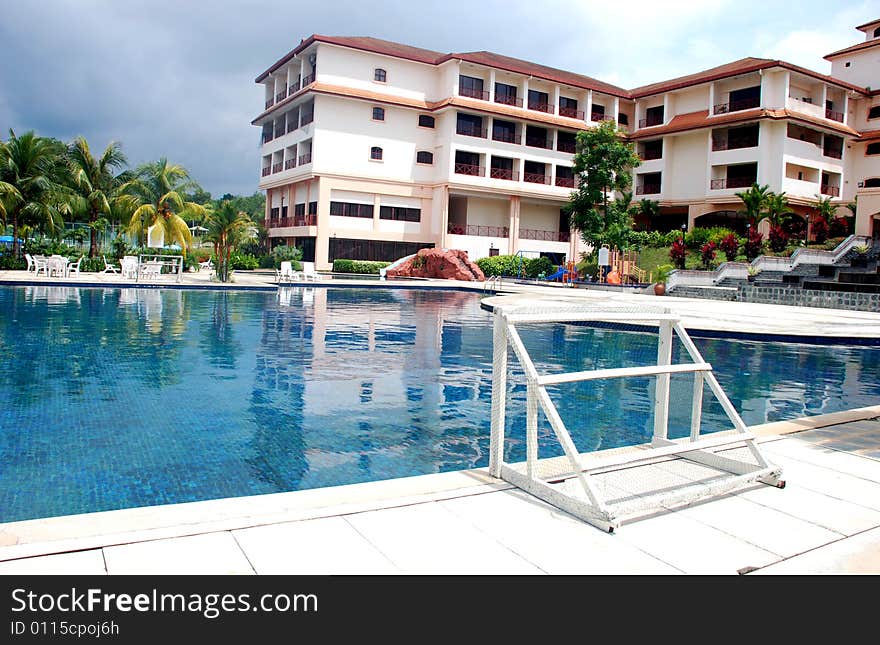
x=826, y=520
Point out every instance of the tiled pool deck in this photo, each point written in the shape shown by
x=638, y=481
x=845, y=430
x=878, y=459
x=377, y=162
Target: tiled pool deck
x=827, y=519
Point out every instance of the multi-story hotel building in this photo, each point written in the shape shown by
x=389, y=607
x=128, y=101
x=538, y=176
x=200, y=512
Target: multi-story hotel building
x=373, y=149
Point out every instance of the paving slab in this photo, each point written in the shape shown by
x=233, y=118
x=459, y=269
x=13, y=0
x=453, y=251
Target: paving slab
x=209, y=553
x=859, y=554
x=78, y=563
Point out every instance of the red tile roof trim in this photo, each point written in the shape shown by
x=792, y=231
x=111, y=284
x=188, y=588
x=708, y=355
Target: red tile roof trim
x=860, y=46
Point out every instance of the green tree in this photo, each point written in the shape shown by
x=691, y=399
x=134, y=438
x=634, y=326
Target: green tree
x=777, y=211
x=227, y=229
x=649, y=208
x=755, y=202
x=32, y=175
x=155, y=196
x=95, y=184
x=603, y=163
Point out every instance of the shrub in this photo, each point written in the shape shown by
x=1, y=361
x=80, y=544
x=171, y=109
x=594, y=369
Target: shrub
x=707, y=254
x=678, y=253
x=534, y=267
x=91, y=265
x=284, y=253
x=9, y=261
x=839, y=227
x=48, y=247
x=754, y=244
x=651, y=239
x=730, y=246
x=499, y=265
x=120, y=248
x=267, y=262
x=819, y=227
x=778, y=238
x=588, y=268
x=242, y=261
x=358, y=266
x=696, y=238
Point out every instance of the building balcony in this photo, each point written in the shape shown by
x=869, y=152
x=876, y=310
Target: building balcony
x=650, y=121
x=471, y=93
x=290, y=163
x=469, y=169
x=541, y=107
x=650, y=155
x=565, y=182
x=481, y=231
x=566, y=146
x=469, y=131
x=834, y=153
x=505, y=137
x=571, y=113
x=508, y=100
x=734, y=143
x=732, y=182
x=281, y=95
x=292, y=126
x=600, y=116
x=536, y=178
x=504, y=173
x=834, y=116
x=266, y=171
x=547, y=236
x=306, y=158
x=306, y=118
x=277, y=167
x=736, y=106
x=832, y=191
x=648, y=189
x=308, y=80
x=540, y=142
x=294, y=88
x=305, y=220
x=267, y=137
x=270, y=102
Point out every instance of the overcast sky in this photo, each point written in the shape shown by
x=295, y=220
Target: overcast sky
x=176, y=77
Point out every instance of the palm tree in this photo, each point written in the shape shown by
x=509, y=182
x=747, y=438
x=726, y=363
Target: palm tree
x=31, y=171
x=155, y=196
x=777, y=208
x=94, y=184
x=227, y=228
x=825, y=209
x=755, y=201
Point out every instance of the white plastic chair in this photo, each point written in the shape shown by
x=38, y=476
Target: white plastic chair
x=129, y=266
x=206, y=265
x=30, y=260
x=309, y=272
x=74, y=268
x=286, y=272
x=41, y=263
x=108, y=268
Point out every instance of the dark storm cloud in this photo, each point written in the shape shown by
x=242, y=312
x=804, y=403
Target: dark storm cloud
x=175, y=78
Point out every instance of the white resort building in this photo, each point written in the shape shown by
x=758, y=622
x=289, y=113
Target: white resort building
x=373, y=149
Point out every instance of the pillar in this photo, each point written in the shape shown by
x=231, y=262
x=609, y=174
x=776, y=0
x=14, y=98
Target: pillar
x=513, y=226
x=322, y=240
x=492, y=85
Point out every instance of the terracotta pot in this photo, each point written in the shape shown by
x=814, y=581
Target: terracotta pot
x=659, y=289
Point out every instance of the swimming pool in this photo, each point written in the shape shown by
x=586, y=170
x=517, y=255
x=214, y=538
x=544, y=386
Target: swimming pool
x=117, y=398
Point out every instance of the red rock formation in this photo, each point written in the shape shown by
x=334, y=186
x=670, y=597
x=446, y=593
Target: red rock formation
x=449, y=264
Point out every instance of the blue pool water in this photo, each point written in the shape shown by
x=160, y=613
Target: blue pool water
x=115, y=398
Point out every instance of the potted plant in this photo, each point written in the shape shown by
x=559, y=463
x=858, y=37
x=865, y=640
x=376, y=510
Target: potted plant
x=860, y=259
x=752, y=273
x=663, y=272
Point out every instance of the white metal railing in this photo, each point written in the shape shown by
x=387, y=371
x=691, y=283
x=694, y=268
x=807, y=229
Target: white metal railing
x=569, y=482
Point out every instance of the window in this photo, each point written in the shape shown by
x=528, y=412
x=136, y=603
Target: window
x=877, y=33
x=425, y=157
x=376, y=153
x=873, y=149
x=426, y=121
x=873, y=182
x=622, y=119
x=378, y=114
x=400, y=213
x=874, y=112
x=313, y=208
x=349, y=209
x=847, y=64
x=472, y=87
x=539, y=101
x=380, y=75
x=299, y=210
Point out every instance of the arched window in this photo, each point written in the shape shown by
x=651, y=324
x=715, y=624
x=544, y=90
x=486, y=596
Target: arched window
x=877, y=32
x=874, y=112
x=378, y=114
x=873, y=149
x=425, y=157
x=380, y=75
x=376, y=153
x=873, y=182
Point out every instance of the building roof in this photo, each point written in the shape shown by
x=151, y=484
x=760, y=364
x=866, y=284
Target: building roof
x=868, y=44
x=870, y=23
x=870, y=135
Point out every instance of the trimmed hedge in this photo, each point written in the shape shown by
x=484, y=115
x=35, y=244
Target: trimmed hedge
x=509, y=265
x=358, y=266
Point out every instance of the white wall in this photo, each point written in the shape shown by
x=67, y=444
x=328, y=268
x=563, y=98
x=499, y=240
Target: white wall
x=488, y=212
x=690, y=100
x=476, y=247
x=685, y=174
x=538, y=217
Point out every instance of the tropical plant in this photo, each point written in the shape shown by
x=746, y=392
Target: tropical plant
x=649, y=209
x=825, y=212
x=95, y=184
x=754, y=202
x=730, y=245
x=778, y=238
x=754, y=244
x=678, y=253
x=603, y=165
x=777, y=212
x=155, y=196
x=227, y=228
x=31, y=183
x=707, y=254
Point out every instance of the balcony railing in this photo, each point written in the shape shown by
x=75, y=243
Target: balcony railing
x=600, y=116
x=504, y=173
x=304, y=159
x=732, y=182
x=505, y=136
x=290, y=163
x=267, y=137
x=736, y=106
x=270, y=102
x=833, y=191
x=540, y=142
x=547, y=236
x=473, y=94
x=650, y=121
x=572, y=113
x=308, y=80
x=541, y=107
x=536, y=178
x=266, y=171
x=294, y=88
x=292, y=125
x=834, y=153
x=277, y=167
x=648, y=155
x=648, y=189
x=734, y=143
x=565, y=182
x=306, y=118
x=504, y=99
x=834, y=116
x=565, y=146
x=471, y=131
x=469, y=169
x=281, y=95
x=482, y=231
x=305, y=220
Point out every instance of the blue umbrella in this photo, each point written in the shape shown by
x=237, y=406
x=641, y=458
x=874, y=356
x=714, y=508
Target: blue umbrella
x=7, y=239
